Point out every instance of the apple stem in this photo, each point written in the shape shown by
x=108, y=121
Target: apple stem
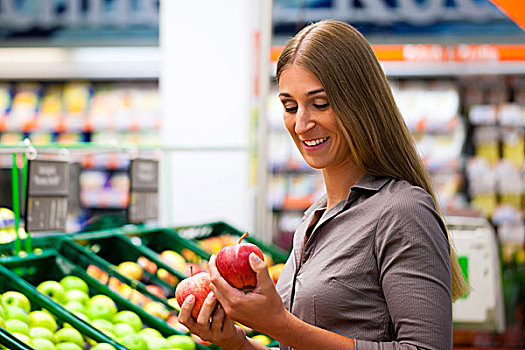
x=242, y=237
x=191, y=271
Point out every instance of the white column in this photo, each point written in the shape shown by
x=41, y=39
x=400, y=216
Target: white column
x=207, y=86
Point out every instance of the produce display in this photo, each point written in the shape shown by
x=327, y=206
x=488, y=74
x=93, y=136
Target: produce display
x=142, y=279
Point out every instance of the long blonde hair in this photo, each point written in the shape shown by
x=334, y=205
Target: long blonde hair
x=361, y=98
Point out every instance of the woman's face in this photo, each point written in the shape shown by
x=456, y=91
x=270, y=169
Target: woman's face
x=310, y=119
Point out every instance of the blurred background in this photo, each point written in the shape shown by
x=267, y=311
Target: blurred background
x=192, y=84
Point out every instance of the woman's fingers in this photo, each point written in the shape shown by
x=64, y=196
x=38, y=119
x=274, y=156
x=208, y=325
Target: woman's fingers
x=185, y=311
x=207, y=309
x=218, y=319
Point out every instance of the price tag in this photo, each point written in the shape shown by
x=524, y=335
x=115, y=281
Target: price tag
x=47, y=195
x=144, y=187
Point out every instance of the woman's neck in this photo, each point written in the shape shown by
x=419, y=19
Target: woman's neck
x=338, y=181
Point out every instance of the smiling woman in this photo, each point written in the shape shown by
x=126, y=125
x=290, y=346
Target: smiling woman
x=371, y=265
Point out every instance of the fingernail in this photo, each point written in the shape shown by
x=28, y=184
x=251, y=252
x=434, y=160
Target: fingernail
x=190, y=298
x=211, y=295
x=254, y=257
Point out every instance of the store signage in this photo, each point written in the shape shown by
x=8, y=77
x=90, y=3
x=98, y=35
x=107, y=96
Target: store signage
x=441, y=53
x=144, y=190
x=387, y=12
x=49, y=14
x=47, y=195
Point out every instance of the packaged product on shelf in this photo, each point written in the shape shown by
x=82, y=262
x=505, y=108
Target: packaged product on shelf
x=50, y=113
x=5, y=103
x=511, y=235
x=145, y=106
x=486, y=143
x=76, y=104
x=483, y=115
x=41, y=137
x=513, y=145
x=509, y=183
x=70, y=137
x=482, y=185
x=100, y=113
x=24, y=107
x=11, y=138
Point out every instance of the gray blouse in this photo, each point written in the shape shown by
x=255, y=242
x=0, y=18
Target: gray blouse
x=376, y=268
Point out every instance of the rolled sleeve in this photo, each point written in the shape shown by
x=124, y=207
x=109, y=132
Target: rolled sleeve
x=413, y=260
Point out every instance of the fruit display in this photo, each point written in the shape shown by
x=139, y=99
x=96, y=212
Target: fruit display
x=39, y=328
x=7, y=226
x=111, y=314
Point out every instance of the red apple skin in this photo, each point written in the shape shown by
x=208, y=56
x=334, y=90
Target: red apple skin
x=199, y=286
x=234, y=266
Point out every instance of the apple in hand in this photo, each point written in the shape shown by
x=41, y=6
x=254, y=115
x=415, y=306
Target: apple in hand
x=16, y=299
x=234, y=266
x=199, y=286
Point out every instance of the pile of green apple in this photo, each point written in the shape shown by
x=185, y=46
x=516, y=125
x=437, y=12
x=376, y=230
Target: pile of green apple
x=38, y=328
x=101, y=312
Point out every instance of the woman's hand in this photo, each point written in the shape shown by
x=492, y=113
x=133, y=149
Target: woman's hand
x=212, y=324
x=261, y=309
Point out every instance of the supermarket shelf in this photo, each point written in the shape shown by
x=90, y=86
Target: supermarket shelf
x=419, y=69
x=104, y=63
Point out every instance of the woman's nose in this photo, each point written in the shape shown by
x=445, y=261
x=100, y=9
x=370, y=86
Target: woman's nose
x=303, y=121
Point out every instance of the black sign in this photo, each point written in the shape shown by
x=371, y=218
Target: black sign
x=47, y=194
x=144, y=190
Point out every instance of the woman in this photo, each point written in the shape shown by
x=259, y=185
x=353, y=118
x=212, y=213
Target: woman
x=371, y=266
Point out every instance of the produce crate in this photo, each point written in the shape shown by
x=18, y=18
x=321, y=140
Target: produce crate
x=115, y=248
x=50, y=265
x=9, y=341
x=215, y=229
x=34, y=269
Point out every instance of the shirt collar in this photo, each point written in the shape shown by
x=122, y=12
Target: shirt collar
x=367, y=182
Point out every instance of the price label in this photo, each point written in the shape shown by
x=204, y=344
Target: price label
x=144, y=187
x=47, y=195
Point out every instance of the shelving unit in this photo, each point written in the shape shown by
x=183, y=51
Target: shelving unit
x=66, y=95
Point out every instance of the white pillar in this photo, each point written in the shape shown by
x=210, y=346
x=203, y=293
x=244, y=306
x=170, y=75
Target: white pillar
x=207, y=86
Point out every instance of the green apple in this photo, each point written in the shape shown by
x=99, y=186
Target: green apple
x=17, y=326
x=52, y=289
x=103, y=299
x=182, y=342
x=134, y=342
x=103, y=346
x=96, y=311
x=130, y=318
x=16, y=313
x=23, y=338
x=103, y=324
x=69, y=335
x=122, y=329
x=2, y=322
x=43, y=344
x=40, y=332
x=68, y=346
x=76, y=295
x=74, y=282
x=16, y=299
x=75, y=306
x=150, y=332
x=42, y=319
x=157, y=343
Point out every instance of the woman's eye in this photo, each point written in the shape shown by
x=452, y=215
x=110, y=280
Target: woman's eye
x=290, y=109
x=321, y=106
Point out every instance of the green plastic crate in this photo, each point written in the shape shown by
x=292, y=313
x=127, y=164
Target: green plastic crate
x=10, y=279
x=9, y=341
x=50, y=265
x=198, y=232
x=116, y=248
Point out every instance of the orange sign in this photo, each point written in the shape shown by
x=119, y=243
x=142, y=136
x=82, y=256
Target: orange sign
x=514, y=9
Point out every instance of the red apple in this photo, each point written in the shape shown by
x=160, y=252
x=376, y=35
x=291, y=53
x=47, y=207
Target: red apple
x=199, y=286
x=155, y=290
x=196, y=268
x=234, y=266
